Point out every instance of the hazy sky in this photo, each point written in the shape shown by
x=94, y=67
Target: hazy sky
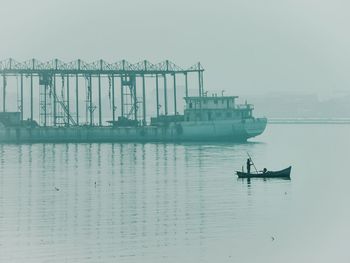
x=245, y=46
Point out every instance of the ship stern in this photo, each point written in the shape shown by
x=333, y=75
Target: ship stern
x=254, y=127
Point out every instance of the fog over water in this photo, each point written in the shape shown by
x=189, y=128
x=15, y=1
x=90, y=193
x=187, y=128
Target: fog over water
x=247, y=47
x=178, y=202
x=182, y=202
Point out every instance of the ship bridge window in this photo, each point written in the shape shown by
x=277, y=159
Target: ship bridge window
x=190, y=105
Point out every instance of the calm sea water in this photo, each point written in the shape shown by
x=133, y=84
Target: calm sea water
x=178, y=202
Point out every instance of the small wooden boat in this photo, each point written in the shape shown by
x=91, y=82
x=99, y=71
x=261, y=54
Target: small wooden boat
x=285, y=173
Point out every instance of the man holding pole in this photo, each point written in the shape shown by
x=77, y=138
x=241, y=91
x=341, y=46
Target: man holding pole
x=249, y=163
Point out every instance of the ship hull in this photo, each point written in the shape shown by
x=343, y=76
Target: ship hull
x=215, y=131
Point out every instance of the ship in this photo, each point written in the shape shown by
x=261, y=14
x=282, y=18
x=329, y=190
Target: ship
x=205, y=119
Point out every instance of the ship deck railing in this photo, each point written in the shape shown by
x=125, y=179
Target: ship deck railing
x=244, y=107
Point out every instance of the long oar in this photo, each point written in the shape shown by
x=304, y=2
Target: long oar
x=252, y=163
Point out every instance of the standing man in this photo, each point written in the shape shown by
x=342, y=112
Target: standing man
x=249, y=163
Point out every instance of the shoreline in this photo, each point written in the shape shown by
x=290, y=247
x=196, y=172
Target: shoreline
x=309, y=121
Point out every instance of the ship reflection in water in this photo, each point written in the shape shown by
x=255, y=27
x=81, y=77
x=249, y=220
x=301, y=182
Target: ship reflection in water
x=156, y=203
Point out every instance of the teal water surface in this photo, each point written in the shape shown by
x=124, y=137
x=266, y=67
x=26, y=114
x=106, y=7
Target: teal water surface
x=178, y=202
